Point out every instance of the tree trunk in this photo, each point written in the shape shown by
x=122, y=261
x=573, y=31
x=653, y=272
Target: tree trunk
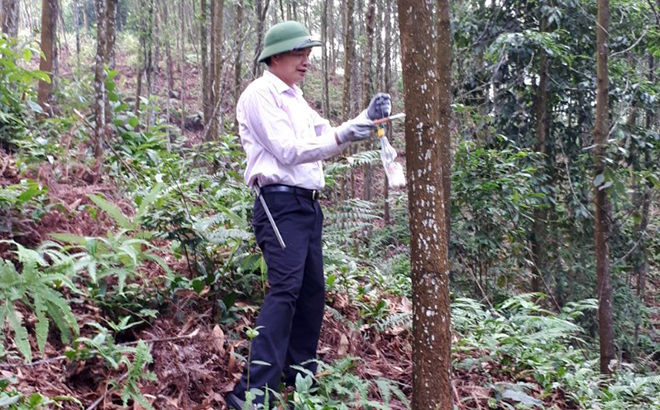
x=387, y=82
x=105, y=41
x=238, y=46
x=324, y=59
x=602, y=211
x=9, y=16
x=426, y=67
x=49, y=13
x=168, y=54
x=206, y=84
x=76, y=19
x=218, y=33
x=538, y=237
x=349, y=57
x=367, y=87
x=182, y=62
x=261, y=10
x=332, y=36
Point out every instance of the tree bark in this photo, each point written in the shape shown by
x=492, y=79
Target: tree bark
x=426, y=65
x=324, y=59
x=49, y=13
x=261, y=10
x=387, y=82
x=332, y=51
x=538, y=236
x=76, y=19
x=206, y=83
x=9, y=17
x=349, y=57
x=602, y=206
x=238, y=46
x=218, y=43
x=367, y=86
x=105, y=41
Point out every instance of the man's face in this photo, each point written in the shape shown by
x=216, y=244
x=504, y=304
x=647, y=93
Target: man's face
x=291, y=67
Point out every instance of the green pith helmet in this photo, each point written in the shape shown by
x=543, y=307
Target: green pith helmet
x=286, y=36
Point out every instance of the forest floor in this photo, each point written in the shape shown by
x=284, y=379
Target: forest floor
x=192, y=352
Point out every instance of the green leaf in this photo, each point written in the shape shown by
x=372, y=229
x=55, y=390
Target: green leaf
x=33, y=190
x=70, y=238
x=35, y=107
x=148, y=200
x=27, y=55
x=20, y=334
x=198, y=285
x=133, y=122
x=521, y=397
x=112, y=210
x=41, y=327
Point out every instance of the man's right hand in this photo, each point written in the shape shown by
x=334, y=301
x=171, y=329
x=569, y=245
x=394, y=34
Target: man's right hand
x=357, y=129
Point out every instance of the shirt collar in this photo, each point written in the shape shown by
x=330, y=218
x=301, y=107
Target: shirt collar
x=280, y=85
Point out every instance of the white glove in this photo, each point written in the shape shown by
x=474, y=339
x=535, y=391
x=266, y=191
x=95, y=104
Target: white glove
x=357, y=129
x=380, y=106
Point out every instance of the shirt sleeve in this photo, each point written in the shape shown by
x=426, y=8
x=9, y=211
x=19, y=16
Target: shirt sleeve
x=271, y=127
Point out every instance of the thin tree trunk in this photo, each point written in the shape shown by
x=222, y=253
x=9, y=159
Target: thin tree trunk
x=203, y=38
x=182, y=63
x=367, y=87
x=539, y=235
x=349, y=57
x=105, y=16
x=324, y=59
x=332, y=37
x=602, y=211
x=261, y=9
x=138, y=93
x=168, y=54
x=239, y=54
x=76, y=18
x=426, y=63
x=49, y=13
x=387, y=81
x=218, y=33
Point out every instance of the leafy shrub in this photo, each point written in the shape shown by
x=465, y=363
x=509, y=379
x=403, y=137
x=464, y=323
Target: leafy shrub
x=340, y=389
x=529, y=342
x=36, y=288
x=11, y=399
x=16, y=91
x=494, y=194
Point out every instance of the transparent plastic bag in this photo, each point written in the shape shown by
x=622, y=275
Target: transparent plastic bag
x=393, y=170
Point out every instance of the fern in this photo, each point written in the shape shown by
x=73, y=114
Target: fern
x=137, y=372
x=404, y=318
x=35, y=288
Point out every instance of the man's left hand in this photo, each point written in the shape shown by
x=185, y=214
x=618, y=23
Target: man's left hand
x=379, y=107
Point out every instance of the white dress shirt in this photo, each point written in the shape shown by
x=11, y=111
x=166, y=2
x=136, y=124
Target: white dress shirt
x=283, y=137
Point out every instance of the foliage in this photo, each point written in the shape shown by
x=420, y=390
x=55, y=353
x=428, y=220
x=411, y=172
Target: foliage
x=494, y=194
x=16, y=90
x=340, y=389
x=15, y=400
x=528, y=342
x=135, y=361
x=36, y=287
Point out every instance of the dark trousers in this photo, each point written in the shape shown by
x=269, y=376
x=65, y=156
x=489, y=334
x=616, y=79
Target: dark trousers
x=292, y=313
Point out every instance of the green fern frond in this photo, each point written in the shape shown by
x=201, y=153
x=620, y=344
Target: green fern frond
x=20, y=333
x=41, y=327
x=365, y=158
x=404, y=318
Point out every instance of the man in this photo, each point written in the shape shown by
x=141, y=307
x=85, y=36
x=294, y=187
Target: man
x=285, y=142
